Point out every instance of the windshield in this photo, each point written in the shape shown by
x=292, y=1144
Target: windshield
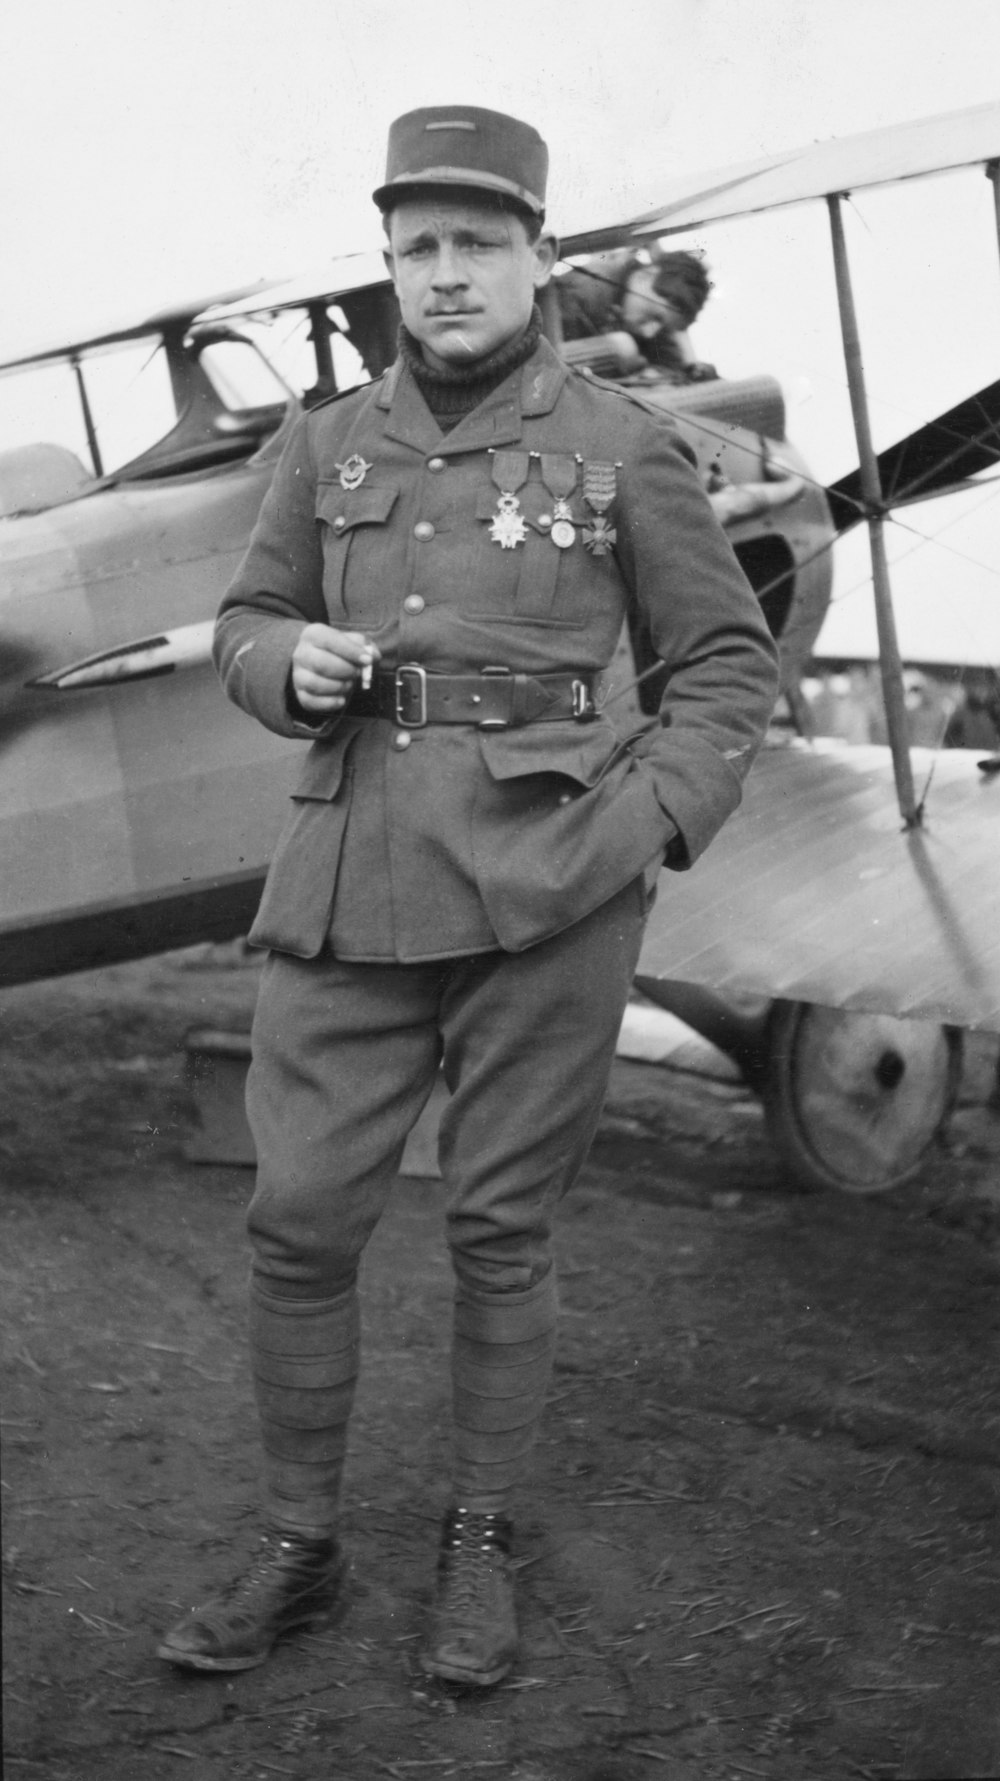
x=285, y=339
x=128, y=389
x=240, y=377
x=134, y=394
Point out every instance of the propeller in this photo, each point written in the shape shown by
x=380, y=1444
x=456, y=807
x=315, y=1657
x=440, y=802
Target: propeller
x=937, y=457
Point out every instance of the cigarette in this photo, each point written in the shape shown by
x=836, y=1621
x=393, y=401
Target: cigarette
x=366, y=674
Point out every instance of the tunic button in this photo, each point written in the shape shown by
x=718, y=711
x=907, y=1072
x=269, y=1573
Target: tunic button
x=402, y=739
x=436, y=464
x=423, y=530
x=414, y=603
x=544, y=521
x=339, y=523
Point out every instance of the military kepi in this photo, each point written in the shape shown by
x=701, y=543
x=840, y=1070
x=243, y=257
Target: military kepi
x=465, y=146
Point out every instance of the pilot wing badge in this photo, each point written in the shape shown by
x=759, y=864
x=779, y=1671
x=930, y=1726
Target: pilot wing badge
x=353, y=471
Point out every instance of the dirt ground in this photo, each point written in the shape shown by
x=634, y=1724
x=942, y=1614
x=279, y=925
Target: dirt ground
x=759, y=1538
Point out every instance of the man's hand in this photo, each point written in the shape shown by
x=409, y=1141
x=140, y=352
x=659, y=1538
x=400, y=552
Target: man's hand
x=326, y=664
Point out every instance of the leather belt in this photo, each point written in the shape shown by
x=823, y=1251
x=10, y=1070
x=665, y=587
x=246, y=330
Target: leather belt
x=493, y=699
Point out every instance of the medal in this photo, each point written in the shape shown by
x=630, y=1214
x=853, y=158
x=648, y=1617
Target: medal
x=600, y=483
x=559, y=477
x=509, y=470
x=599, y=537
x=353, y=472
x=507, y=527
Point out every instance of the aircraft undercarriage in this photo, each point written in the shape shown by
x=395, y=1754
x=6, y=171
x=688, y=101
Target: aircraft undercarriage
x=852, y=1101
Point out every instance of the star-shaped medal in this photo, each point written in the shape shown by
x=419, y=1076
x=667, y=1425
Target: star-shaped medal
x=507, y=527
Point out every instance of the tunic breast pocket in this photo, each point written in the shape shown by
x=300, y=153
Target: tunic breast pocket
x=361, y=558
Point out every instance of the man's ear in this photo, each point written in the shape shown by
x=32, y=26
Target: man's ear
x=546, y=252
x=389, y=263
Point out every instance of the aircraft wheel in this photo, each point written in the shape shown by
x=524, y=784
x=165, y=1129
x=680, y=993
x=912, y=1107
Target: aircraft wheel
x=853, y=1101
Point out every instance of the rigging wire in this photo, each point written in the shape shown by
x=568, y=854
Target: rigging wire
x=922, y=539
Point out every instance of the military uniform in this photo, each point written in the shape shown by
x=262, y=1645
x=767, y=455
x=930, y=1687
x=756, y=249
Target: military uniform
x=466, y=837
x=463, y=878
x=410, y=845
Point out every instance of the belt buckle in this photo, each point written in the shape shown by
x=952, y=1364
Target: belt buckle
x=583, y=705
x=495, y=723
x=411, y=689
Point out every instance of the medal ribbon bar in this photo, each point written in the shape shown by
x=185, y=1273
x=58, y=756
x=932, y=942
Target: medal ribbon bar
x=600, y=485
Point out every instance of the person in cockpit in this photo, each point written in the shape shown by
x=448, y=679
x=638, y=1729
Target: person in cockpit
x=646, y=305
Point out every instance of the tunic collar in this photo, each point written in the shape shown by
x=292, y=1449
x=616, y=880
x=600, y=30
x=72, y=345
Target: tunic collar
x=531, y=390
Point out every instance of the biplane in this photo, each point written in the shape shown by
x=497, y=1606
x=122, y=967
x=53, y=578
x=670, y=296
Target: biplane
x=838, y=936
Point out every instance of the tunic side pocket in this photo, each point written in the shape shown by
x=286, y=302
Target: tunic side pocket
x=297, y=905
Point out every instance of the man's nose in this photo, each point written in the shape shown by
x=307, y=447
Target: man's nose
x=449, y=269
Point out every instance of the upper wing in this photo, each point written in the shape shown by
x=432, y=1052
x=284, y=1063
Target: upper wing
x=875, y=157
x=337, y=278
x=175, y=319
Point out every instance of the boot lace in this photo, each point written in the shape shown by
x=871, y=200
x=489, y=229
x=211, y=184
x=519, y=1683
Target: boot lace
x=473, y=1549
x=259, y=1572
x=240, y=1600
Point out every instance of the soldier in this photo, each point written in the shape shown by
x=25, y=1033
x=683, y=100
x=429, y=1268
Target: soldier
x=645, y=304
x=438, y=576
x=660, y=302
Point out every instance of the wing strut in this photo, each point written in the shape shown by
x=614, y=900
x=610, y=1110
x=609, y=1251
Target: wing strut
x=88, y=418
x=993, y=175
x=890, y=661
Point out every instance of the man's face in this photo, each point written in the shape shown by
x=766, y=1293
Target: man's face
x=644, y=311
x=465, y=275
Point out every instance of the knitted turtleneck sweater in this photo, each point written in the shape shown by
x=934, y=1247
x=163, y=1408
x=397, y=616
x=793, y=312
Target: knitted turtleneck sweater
x=455, y=391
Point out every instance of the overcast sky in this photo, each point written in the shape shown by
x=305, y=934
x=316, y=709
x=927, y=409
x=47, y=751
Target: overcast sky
x=152, y=147
x=155, y=149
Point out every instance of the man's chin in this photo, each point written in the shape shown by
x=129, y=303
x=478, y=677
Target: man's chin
x=455, y=345
x=455, y=348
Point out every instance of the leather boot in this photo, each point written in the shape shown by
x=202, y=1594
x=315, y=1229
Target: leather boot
x=473, y=1631
x=291, y=1582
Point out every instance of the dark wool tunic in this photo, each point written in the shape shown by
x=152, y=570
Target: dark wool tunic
x=417, y=845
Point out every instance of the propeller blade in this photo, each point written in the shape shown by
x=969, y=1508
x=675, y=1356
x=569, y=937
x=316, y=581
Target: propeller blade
x=940, y=454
